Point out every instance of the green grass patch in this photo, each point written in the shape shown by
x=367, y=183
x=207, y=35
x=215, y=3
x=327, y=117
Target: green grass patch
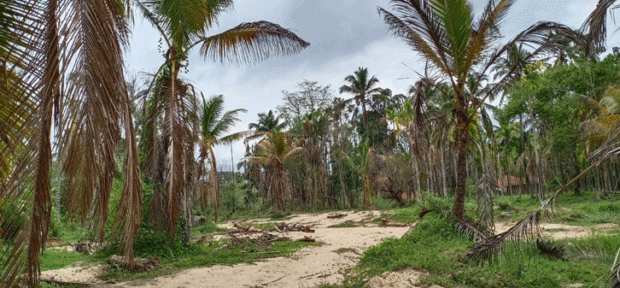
x=53, y=259
x=436, y=247
x=577, y=210
x=207, y=228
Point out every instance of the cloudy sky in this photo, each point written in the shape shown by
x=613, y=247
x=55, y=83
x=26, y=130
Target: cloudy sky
x=344, y=35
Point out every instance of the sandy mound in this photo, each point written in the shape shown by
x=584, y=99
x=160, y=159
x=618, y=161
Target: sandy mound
x=399, y=279
x=75, y=274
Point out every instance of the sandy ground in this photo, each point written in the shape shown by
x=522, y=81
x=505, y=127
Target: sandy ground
x=310, y=266
x=307, y=268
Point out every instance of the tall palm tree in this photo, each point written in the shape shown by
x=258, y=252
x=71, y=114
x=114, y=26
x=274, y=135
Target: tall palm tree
x=214, y=124
x=273, y=152
x=362, y=87
x=183, y=26
x=455, y=44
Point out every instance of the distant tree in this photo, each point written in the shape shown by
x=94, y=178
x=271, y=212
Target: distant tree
x=267, y=122
x=362, y=86
x=310, y=97
x=273, y=152
x=215, y=123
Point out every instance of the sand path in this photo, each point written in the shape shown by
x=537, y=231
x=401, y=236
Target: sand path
x=311, y=265
x=306, y=268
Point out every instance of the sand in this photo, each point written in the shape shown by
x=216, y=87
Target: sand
x=341, y=250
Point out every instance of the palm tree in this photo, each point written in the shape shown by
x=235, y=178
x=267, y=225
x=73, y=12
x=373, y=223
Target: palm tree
x=267, y=122
x=455, y=44
x=362, y=87
x=273, y=152
x=215, y=122
x=183, y=26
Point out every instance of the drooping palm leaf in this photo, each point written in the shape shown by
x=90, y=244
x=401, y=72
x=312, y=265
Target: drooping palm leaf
x=251, y=42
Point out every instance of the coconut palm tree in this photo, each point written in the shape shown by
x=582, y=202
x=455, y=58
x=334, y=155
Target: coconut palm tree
x=272, y=153
x=362, y=87
x=183, y=26
x=267, y=122
x=214, y=124
x=455, y=44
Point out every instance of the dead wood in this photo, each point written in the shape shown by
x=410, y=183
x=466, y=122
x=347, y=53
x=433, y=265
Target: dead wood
x=87, y=247
x=388, y=223
x=283, y=227
x=241, y=229
x=336, y=215
x=140, y=264
x=306, y=239
x=425, y=211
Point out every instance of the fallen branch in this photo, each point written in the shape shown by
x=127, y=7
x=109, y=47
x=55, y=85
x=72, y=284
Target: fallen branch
x=306, y=239
x=388, y=223
x=140, y=264
x=283, y=227
x=336, y=215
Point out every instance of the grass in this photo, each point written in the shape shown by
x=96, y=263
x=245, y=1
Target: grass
x=577, y=210
x=436, y=247
x=54, y=259
x=207, y=255
x=207, y=228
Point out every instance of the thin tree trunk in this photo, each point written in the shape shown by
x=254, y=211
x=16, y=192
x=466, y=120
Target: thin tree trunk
x=443, y=174
x=215, y=183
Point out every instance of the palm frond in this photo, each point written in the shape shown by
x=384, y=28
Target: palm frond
x=211, y=110
x=614, y=275
x=527, y=229
x=595, y=28
x=424, y=37
x=251, y=42
x=30, y=46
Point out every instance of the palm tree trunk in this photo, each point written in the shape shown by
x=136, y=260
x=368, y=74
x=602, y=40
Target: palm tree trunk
x=215, y=183
x=365, y=119
x=175, y=153
x=461, y=165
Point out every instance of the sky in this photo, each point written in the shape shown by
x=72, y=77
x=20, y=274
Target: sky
x=343, y=35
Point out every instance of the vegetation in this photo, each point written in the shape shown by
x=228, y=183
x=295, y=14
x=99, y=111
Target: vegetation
x=488, y=132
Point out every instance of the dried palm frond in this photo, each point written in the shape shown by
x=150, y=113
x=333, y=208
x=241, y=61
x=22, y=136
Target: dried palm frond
x=595, y=28
x=30, y=49
x=527, y=229
x=470, y=229
x=614, y=275
x=553, y=250
x=485, y=190
x=251, y=42
x=44, y=58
